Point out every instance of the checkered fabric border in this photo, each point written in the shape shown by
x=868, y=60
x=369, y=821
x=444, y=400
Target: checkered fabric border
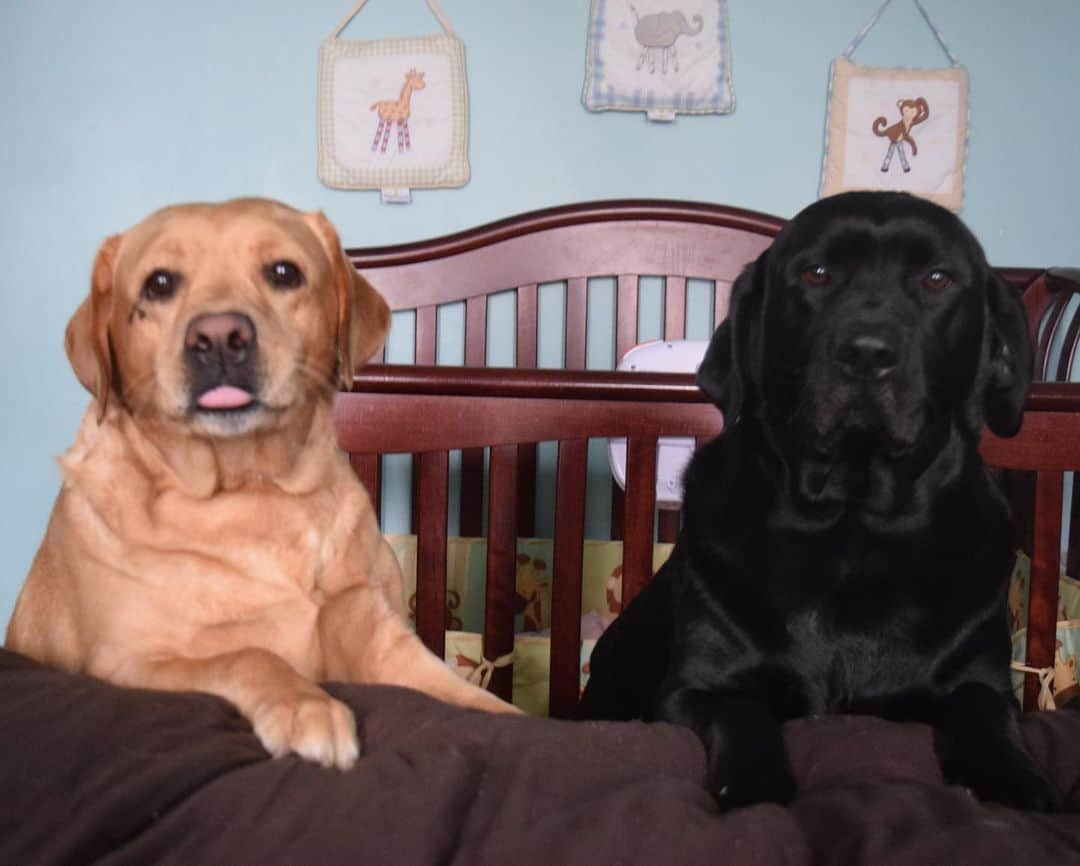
x=601, y=95
x=455, y=172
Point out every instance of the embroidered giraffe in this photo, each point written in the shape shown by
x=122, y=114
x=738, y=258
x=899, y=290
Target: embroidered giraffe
x=396, y=111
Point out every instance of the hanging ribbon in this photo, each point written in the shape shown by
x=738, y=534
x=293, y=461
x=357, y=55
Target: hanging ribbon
x=874, y=20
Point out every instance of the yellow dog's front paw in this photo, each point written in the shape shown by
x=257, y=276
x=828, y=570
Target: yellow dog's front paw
x=316, y=727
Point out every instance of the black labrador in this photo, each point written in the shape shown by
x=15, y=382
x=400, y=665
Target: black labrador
x=844, y=549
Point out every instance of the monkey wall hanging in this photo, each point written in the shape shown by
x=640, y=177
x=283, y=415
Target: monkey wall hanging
x=662, y=57
x=393, y=114
x=897, y=128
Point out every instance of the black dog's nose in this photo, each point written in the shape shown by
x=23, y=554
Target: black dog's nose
x=225, y=336
x=867, y=356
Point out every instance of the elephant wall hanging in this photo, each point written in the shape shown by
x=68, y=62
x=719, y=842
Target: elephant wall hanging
x=393, y=114
x=662, y=57
x=897, y=128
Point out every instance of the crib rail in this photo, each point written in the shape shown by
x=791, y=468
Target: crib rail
x=430, y=411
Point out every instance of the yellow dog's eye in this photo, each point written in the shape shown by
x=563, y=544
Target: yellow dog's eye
x=816, y=275
x=284, y=275
x=160, y=285
x=938, y=280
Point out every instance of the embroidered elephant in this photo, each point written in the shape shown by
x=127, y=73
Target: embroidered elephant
x=657, y=33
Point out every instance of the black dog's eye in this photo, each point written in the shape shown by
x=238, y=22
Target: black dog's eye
x=160, y=285
x=816, y=275
x=937, y=280
x=284, y=275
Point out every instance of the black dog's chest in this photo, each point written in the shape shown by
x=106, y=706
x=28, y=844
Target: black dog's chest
x=855, y=623
x=840, y=668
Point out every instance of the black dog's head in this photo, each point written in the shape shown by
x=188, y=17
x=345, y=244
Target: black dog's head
x=868, y=336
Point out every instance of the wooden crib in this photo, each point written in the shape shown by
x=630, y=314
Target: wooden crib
x=429, y=411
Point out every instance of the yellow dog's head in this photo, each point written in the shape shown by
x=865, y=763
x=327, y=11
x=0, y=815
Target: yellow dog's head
x=223, y=318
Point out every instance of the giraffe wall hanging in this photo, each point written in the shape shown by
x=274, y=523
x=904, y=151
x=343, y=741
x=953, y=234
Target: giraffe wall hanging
x=393, y=114
x=897, y=128
x=662, y=57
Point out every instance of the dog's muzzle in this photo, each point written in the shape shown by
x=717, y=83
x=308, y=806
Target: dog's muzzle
x=220, y=352
x=868, y=354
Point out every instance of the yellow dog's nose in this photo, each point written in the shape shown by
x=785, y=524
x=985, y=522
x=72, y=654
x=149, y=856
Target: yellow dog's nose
x=214, y=338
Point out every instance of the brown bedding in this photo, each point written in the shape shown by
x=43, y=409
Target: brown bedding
x=90, y=773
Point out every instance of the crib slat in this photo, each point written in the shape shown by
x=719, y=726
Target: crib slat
x=566, y=582
x=668, y=523
x=1053, y=320
x=427, y=324
x=675, y=308
x=433, y=469
x=526, y=498
x=526, y=327
x=626, y=331
x=526, y=360
x=476, y=331
x=625, y=337
x=618, y=509
x=367, y=469
x=500, y=589
x=1043, y=587
x=1069, y=348
x=576, y=304
x=472, y=459
x=626, y=314
x=472, y=493
x=721, y=301
x=640, y=508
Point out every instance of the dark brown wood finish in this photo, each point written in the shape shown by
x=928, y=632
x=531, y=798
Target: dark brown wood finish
x=568, y=555
x=431, y=487
x=472, y=459
x=1045, y=568
x=675, y=308
x=640, y=503
x=527, y=455
x=500, y=591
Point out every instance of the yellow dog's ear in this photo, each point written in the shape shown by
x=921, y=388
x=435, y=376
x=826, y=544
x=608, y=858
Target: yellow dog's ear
x=363, y=316
x=87, y=337
x=369, y=322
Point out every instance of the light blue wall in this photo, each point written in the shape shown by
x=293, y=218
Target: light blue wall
x=112, y=108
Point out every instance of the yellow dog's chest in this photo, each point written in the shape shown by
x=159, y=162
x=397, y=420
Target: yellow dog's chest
x=204, y=577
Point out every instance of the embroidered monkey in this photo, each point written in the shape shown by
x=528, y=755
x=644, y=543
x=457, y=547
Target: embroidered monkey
x=912, y=113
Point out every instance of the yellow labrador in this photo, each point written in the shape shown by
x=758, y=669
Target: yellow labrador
x=209, y=534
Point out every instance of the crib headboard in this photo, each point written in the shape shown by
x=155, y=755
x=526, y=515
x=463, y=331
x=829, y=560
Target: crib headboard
x=625, y=240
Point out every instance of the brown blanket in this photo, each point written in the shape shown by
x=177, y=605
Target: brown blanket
x=90, y=773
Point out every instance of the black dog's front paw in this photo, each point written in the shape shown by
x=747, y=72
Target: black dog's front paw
x=1012, y=780
x=761, y=775
x=747, y=757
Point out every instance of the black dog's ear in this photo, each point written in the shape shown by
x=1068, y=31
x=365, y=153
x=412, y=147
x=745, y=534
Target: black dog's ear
x=725, y=369
x=1010, y=358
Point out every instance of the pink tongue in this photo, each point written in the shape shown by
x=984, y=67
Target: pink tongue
x=225, y=397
